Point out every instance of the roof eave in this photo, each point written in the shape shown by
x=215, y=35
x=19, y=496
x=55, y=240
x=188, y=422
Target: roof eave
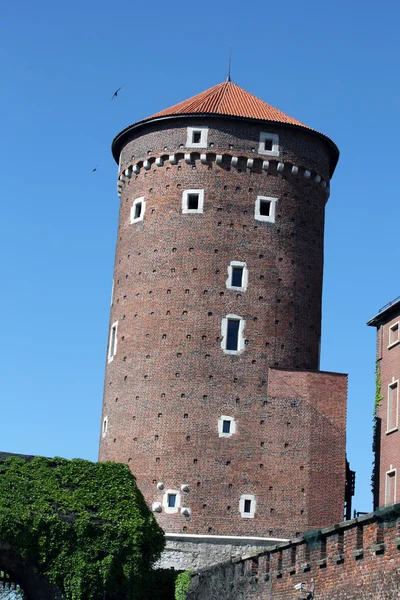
x=384, y=315
x=118, y=140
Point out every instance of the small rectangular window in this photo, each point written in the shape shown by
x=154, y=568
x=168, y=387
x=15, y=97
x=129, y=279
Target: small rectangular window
x=105, y=426
x=247, y=506
x=394, y=334
x=226, y=426
x=196, y=137
x=268, y=145
x=193, y=201
x=392, y=406
x=171, y=500
x=265, y=207
x=237, y=276
x=138, y=210
x=232, y=342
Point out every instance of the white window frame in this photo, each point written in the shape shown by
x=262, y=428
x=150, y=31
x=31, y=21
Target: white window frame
x=247, y=515
x=171, y=509
x=393, y=384
x=264, y=136
x=112, y=350
x=104, y=427
x=391, y=473
x=203, y=137
x=232, y=430
x=224, y=333
x=266, y=218
x=398, y=334
x=185, y=199
x=245, y=276
x=133, y=208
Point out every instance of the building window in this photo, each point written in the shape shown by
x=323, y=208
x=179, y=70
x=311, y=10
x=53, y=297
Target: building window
x=192, y=201
x=171, y=501
x=390, y=491
x=232, y=328
x=394, y=334
x=226, y=426
x=105, y=425
x=237, y=276
x=393, y=406
x=265, y=209
x=247, y=506
x=269, y=144
x=137, y=210
x=197, y=137
x=112, y=344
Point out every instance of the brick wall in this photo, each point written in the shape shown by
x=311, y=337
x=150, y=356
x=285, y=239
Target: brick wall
x=358, y=559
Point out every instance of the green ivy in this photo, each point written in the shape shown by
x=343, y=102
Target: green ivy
x=182, y=585
x=378, y=387
x=85, y=525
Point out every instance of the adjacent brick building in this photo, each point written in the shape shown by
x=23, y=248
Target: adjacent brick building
x=387, y=436
x=213, y=393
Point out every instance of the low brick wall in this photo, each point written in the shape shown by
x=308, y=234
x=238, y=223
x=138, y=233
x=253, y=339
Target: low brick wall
x=353, y=560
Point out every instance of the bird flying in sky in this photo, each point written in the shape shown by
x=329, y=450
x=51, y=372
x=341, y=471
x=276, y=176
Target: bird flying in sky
x=115, y=94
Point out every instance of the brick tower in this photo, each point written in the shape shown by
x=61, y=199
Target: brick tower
x=212, y=390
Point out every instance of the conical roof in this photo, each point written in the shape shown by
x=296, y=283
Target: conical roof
x=229, y=99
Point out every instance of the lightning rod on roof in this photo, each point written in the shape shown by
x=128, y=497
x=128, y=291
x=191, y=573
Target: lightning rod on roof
x=229, y=64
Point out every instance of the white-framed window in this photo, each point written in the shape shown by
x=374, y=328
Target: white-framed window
x=104, y=426
x=226, y=426
x=393, y=406
x=137, y=210
x=237, y=276
x=197, y=137
x=269, y=144
x=265, y=209
x=192, y=201
x=112, y=342
x=171, y=501
x=247, y=506
x=394, y=334
x=232, y=330
x=390, y=487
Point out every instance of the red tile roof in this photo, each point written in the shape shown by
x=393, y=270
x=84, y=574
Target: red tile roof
x=228, y=99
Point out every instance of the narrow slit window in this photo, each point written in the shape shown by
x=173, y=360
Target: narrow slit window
x=232, y=342
x=237, y=276
x=390, y=492
x=105, y=423
x=247, y=506
x=112, y=346
x=392, y=406
x=137, y=210
x=226, y=426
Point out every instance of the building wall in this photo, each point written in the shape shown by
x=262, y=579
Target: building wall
x=348, y=561
x=389, y=363
x=170, y=381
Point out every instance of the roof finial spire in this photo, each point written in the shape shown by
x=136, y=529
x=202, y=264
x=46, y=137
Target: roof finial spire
x=229, y=64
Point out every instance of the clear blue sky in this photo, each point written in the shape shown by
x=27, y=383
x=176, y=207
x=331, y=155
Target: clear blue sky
x=331, y=65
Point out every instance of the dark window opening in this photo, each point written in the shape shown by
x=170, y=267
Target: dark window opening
x=171, y=500
x=265, y=208
x=268, y=145
x=237, y=276
x=247, y=506
x=193, y=201
x=232, y=341
x=112, y=341
x=226, y=426
x=138, y=210
x=196, y=137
